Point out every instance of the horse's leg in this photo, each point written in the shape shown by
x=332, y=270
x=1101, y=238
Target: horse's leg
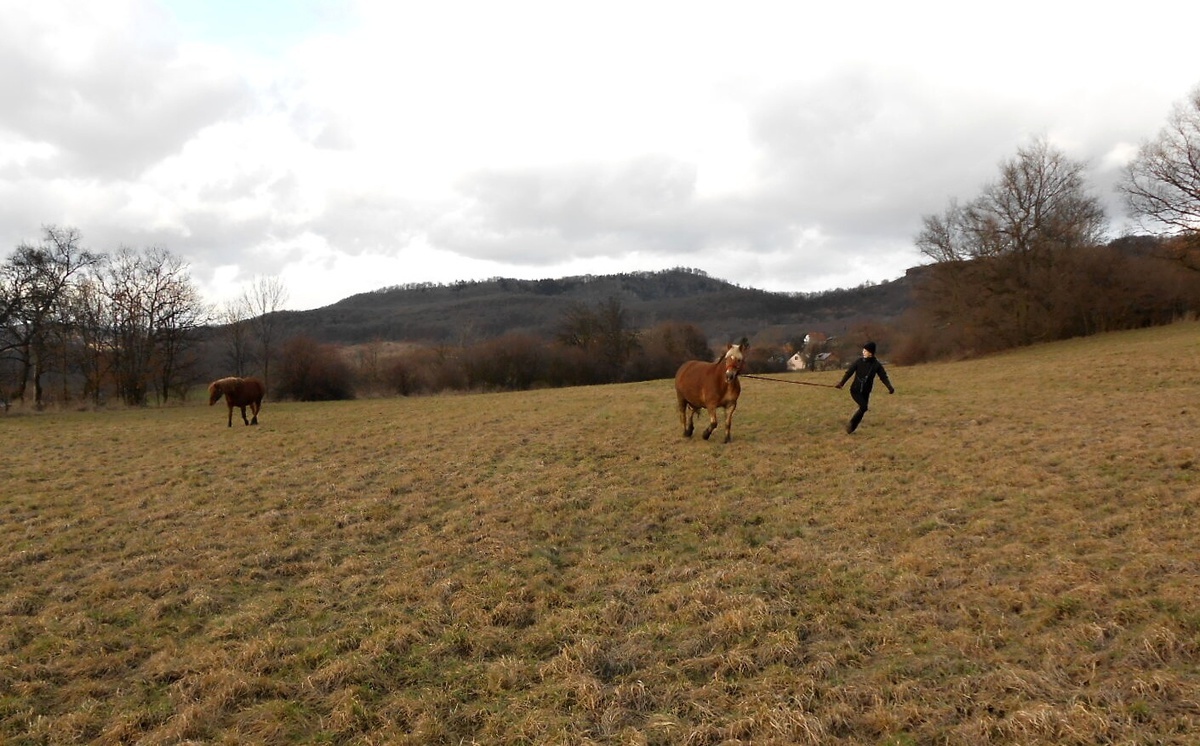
x=685, y=417
x=230, y=415
x=712, y=421
x=254, y=410
x=729, y=421
x=244, y=418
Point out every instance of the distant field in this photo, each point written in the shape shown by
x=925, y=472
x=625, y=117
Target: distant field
x=1006, y=552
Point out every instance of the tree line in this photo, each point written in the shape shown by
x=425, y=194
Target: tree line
x=93, y=325
x=87, y=327
x=83, y=326
x=1025, y=260
x=594, y=345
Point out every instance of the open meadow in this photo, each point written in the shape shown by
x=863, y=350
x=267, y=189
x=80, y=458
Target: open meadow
x=1006, y=552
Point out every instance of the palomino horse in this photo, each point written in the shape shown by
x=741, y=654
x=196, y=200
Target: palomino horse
x=700, y=385
x=238, y=392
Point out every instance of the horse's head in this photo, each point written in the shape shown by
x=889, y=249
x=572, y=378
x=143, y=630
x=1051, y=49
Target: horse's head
x=734, y=359
x=222, y=386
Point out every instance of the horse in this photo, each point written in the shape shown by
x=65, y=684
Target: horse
x=238, y=392
x=701, y=385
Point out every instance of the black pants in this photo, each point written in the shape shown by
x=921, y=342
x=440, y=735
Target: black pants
x=861, y=398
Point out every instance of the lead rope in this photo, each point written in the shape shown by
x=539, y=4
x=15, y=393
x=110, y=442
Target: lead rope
x=797, y=383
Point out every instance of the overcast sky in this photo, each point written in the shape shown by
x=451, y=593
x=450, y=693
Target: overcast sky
x=353, y=145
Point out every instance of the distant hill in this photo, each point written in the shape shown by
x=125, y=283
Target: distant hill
x=476, y=310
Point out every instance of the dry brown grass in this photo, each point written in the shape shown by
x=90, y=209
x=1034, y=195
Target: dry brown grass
x=1005, y=553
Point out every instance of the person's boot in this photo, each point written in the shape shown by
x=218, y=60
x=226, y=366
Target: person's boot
x=852, y=425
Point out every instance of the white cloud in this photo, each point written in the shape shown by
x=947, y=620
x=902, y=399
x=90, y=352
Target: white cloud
x=346, y=146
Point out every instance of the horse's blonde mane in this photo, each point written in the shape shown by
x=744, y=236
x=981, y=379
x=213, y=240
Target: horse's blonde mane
x=221, y=383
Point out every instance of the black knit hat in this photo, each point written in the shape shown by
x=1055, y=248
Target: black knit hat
x=869, y=347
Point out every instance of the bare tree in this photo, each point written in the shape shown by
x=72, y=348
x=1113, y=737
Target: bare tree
x=177, y=313
x=154, y=314
x=265, y=298
x=996, y=256
x=579, y=327
x=90, y=310
x=236, y=330
x=813, y=345
x=369, y=359
x=34, y=285
x=678, y=341
x=605, y=332
x=1162, y=184
x=130, y=344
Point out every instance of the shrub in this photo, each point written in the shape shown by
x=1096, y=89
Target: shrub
x=311, y=371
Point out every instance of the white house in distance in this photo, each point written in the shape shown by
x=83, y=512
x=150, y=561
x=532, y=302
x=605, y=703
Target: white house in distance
x=813, y=354
x=822, y=361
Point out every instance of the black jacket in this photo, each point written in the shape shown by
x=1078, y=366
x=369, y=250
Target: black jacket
x=864, y=371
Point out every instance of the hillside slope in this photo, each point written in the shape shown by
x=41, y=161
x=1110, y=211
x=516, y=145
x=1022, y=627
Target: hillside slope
x=471, y=311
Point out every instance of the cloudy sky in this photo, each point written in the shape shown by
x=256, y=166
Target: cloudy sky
x=344, y=146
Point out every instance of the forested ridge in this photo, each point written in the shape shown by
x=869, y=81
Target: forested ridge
x=479, y=310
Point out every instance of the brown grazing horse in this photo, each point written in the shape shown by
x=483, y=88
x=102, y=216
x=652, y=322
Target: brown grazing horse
x=700, y=385
x=238, y=392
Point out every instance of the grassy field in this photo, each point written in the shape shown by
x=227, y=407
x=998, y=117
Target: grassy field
x=1006, y=552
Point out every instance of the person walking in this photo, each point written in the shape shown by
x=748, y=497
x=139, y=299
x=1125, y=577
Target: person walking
x=863, y=371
